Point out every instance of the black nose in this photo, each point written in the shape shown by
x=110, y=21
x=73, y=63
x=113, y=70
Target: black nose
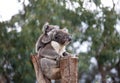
x=70, y=38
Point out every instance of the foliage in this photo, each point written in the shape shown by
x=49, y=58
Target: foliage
x=97, y=27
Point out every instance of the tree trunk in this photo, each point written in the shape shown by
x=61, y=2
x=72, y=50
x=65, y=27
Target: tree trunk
x=103, y=73
x=69, y=69
x=36, y=63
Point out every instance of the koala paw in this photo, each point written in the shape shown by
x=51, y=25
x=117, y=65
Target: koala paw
x=65, y=54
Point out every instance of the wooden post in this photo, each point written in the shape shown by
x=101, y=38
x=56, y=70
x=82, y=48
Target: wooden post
x=36, y=63
x=69, y=69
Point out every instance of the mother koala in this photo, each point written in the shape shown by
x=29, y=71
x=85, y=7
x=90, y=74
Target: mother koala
x=52, y=52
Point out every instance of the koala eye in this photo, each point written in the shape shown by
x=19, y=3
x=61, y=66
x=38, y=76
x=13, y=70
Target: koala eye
x=57, y=37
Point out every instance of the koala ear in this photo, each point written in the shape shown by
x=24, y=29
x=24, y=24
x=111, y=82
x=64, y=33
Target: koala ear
x=45, y=26
x=65, y=30
x=46, y=39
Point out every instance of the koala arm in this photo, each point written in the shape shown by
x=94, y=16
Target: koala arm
x=38, y=44
x=50, y=54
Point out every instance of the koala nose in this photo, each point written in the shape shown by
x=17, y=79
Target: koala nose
x=70, y=38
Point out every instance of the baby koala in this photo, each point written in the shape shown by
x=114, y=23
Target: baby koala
x=46, y=36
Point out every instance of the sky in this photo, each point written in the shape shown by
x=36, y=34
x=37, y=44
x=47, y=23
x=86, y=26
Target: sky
x=8, y=8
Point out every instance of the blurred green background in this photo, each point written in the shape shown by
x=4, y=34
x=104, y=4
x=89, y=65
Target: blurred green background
x=94, y=29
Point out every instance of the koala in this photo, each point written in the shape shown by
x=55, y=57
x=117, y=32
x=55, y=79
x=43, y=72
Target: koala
x=45, y=37
x=52, y=52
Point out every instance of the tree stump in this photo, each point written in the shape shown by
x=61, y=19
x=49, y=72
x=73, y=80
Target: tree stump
x=38, y=71
x=69, y=69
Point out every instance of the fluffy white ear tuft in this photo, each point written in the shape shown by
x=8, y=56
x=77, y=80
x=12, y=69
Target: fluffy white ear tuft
x=65, y=30
x=45, y=26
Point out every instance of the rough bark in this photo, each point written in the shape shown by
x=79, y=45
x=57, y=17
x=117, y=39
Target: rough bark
x=38, y=71
x=103, y=73
x=69, y=69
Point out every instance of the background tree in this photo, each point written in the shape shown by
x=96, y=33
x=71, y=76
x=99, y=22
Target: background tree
x=90, y=23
